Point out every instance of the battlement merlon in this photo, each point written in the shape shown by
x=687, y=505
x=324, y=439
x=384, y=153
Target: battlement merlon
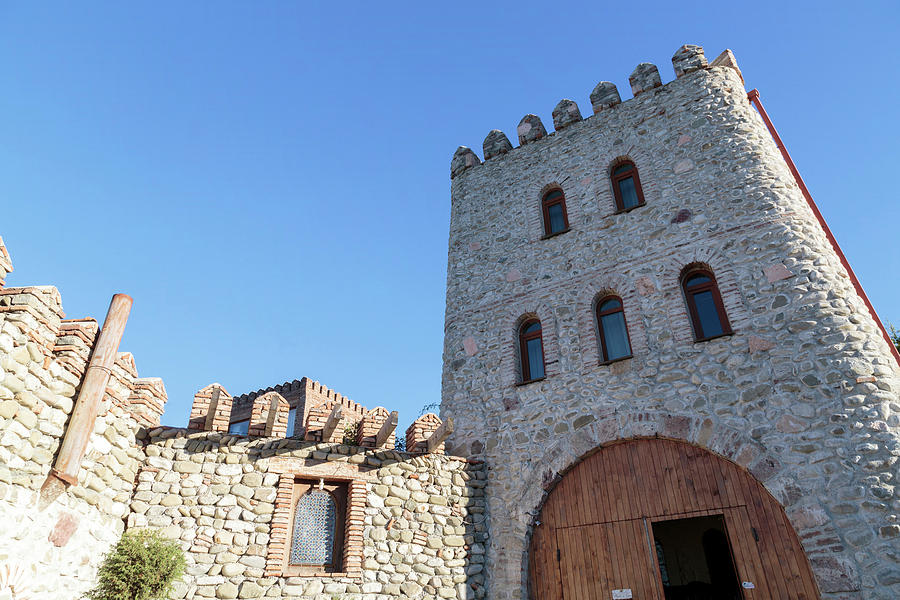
x=605, y=96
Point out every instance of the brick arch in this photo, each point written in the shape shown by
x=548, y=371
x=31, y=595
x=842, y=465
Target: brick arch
x=612, y=426
x=509, y=339
x=643, y=162
x=557, y=181
x=726, y=278
x=656, y=478
x=585, y=307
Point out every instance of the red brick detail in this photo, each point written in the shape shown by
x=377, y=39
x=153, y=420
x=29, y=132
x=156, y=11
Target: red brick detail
x=269, y=415
x=147, y=400
x=63, y=530
x=280, y=532
x=370, y=426
x=200, y=419
x=419, y=431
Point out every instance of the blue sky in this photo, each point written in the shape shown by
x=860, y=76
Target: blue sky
x=270, y=181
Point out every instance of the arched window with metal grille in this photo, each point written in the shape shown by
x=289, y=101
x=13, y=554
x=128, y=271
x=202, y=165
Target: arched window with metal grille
x=318, y=523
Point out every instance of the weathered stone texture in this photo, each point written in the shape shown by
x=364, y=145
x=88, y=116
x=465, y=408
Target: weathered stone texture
x=495, y=144
x=56, y=540
x=565, y=113
x=788, y=395
x=424, y=526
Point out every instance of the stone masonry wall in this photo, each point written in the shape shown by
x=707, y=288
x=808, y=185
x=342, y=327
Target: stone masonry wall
x=804, y=393
x=52, y=541
x=422, y=527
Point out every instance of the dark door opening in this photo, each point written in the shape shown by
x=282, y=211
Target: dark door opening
x=695, y=560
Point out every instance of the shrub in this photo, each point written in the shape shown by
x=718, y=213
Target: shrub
x=350, y=432
x=143, y=565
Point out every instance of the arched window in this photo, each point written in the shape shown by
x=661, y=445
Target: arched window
x=554, y=207
x=531, y=351
x=614, y=342
x=626, y=186
x=318, y=527
x=704, y=305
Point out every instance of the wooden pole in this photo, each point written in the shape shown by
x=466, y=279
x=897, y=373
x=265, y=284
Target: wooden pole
x=331, y=424
x=387, y=428
x=81, y=423
x=439, y=435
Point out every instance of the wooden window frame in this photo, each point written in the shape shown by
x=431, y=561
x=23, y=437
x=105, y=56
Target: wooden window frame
x=604, y=360
x=710, y=286
x=546, y=203
x=617, y=193
x=524, y=338
x=339, y=491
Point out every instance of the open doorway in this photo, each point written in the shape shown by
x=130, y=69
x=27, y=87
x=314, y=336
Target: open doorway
x=695, y=560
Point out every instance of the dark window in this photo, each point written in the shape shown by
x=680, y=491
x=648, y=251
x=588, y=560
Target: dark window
x=317, y=531
x=239, y=427
x=614, y=343
x=705, y=305
x=554, y=207
x=531, y=350
x=626, y=186
x=292, y=418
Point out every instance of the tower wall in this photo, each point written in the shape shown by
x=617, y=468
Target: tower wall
x=803, y=394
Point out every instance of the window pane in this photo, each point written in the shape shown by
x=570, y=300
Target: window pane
x=239, y=427
x=697, y=280
x=615, y=336
x=314, y=523
x=610, y=304
x=292, y=417
x=552, y=195
x=557, y=220
x=708, y=315
x=628, y=193
x=536, y=326
x=535, y=359
x=623, y=168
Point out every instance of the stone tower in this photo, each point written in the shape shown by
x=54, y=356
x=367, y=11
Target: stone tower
x=800, y=393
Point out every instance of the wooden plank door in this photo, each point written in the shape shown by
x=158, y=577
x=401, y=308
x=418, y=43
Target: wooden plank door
x=595, y=560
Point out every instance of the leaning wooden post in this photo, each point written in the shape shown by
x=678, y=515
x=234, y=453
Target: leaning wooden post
x=436, y=439
x=387, y=428
x=87, y=406
x=333, y=420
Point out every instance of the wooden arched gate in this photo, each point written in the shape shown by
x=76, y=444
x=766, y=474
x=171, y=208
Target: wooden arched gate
x=655, y=519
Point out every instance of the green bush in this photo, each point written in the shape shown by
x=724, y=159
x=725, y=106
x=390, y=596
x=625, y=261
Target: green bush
x=143, y=565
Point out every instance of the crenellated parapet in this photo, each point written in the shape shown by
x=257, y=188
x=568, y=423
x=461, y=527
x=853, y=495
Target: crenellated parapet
x=211, y=410
x=377, y=429
x=426, y=434
x=605, y=96
x=269, y=416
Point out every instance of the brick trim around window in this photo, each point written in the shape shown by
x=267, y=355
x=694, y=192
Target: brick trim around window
x=283, y=522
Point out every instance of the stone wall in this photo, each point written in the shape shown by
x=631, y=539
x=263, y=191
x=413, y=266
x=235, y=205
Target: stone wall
x=804, y=393
x=421, y=519
x=52, y=538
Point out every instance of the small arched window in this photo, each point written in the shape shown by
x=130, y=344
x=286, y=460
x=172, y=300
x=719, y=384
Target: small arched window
x=531, y=351
x=317, y=530
x=614, y=342
x=704, y=304
x=554, y=208
x=626, y=186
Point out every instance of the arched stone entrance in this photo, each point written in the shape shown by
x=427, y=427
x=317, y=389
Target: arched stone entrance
x=658, y=519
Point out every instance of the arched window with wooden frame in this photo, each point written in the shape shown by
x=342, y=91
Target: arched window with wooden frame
x=612, y=330
x=531, y=350
x=704, y=304
x=626, y=186
x=553, y=207
x=317, y=528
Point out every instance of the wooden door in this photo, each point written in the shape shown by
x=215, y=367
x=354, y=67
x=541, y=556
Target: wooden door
x=593, y=532
x=596, y=560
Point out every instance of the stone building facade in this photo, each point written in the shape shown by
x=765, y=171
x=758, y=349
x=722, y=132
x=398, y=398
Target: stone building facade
x=803, y=392
x=798, y=396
